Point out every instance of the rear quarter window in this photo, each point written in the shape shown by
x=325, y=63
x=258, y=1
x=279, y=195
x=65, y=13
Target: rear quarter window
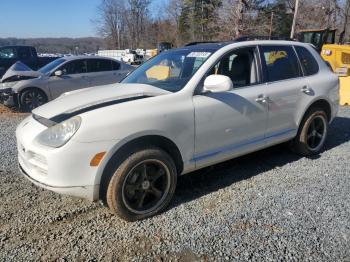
x=307, y=60
x=279, y=63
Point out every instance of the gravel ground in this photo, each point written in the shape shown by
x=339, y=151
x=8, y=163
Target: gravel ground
x=271, y=205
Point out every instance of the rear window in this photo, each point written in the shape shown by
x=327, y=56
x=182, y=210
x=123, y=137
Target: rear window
x=280, y=63
x=99, y=65
x=307, y=60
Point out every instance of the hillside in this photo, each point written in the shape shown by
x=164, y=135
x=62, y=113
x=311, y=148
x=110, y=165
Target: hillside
x=58, y=45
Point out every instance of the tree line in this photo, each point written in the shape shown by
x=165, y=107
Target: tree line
x=132, y=23
x=62, y=45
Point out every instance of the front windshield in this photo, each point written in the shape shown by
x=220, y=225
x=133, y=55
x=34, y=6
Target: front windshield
x=169, y=70
x=50, y=66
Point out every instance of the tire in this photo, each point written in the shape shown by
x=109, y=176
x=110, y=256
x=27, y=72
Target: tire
x=32, y=98
x=312, y=133
x=143, y=185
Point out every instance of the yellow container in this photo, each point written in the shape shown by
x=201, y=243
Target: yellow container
x=344, y=91
x=338, y=56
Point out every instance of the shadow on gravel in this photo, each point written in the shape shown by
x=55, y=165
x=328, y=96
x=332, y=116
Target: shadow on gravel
x=211, y=179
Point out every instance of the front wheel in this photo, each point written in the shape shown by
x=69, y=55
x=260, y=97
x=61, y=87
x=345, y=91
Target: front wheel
x=32, y=98
x=312, y=133
x=143, y=185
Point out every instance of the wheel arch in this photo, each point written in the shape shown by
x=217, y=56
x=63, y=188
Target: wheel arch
x=134, y=144
x=20, y=92
x=322, y=103
x=26, y=88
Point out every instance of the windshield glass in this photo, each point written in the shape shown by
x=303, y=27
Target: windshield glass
x=169, y=70
x=50, y=66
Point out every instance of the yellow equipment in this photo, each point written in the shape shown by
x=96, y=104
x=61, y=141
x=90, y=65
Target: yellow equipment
x=158, y=72
x=273, y=56
x=336, y=55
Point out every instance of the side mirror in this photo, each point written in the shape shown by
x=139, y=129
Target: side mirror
x=58, y=73
x=217, y=83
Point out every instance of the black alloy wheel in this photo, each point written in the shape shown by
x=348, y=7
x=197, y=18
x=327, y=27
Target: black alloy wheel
x=316, y=132
x=145, y=186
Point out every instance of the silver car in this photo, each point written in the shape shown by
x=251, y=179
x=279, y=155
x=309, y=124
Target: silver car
x=29, y=89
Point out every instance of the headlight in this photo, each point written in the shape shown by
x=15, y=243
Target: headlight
x=9, y=84
x=60, y=134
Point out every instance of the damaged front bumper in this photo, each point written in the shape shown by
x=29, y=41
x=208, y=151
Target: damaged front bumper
x=7, y=97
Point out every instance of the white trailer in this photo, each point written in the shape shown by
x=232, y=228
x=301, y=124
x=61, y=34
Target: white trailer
x=128, y=56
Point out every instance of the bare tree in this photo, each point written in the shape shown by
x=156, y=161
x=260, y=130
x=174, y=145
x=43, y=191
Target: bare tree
x=111, y=22
x=128, y=23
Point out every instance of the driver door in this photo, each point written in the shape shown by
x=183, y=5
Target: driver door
x=75, y=76
x=230, y=123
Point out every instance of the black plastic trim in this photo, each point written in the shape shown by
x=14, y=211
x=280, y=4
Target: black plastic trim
x=62, y=117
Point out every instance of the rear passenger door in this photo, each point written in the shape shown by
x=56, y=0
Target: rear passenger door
x=283, y=76
x=103, y=71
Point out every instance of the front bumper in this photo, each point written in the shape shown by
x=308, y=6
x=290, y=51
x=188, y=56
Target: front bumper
x=64, y=170
x=86, y=192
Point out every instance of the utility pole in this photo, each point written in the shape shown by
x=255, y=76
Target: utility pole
x=239, y=12
x=342, y=35
x=118, y=35
x=271, y=24
x=294, y=18
x=202, y=21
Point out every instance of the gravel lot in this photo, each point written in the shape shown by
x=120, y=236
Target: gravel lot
x=271, y=205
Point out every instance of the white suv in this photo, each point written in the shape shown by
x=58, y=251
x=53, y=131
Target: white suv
x=183, y=110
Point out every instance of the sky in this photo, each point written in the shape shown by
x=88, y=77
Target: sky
x=49, y=18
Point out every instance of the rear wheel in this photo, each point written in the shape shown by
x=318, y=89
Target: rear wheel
x=312, y=133
x=32, y=98
x=142, y=185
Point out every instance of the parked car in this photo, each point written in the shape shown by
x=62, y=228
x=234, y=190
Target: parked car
x=26, y=54
x=183, y=110
x=30, y=89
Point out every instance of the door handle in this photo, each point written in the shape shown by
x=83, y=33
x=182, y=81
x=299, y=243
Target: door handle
x=306, y=90
x=262, y=99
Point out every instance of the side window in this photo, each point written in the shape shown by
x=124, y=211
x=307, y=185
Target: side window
x=279, y=63
x=307, y=60
x=240, y=66
x=74, y=67
x=115, y=65
x=99, y=65
x=8, y=52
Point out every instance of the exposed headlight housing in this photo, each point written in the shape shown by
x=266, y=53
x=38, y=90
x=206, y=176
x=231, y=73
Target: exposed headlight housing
x=60, y=134
x=8, y=84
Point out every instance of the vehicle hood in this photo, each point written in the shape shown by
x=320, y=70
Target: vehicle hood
x=19, y=71
x=92, y=98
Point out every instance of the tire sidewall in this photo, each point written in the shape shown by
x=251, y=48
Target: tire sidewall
x=303, y=146
x=114, y=190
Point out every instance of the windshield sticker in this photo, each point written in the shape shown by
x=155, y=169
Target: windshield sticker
x=199, y=54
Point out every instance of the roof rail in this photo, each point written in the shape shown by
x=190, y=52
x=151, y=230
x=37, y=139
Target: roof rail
x=241, y=39
x=260, y=37
x=203, y=42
